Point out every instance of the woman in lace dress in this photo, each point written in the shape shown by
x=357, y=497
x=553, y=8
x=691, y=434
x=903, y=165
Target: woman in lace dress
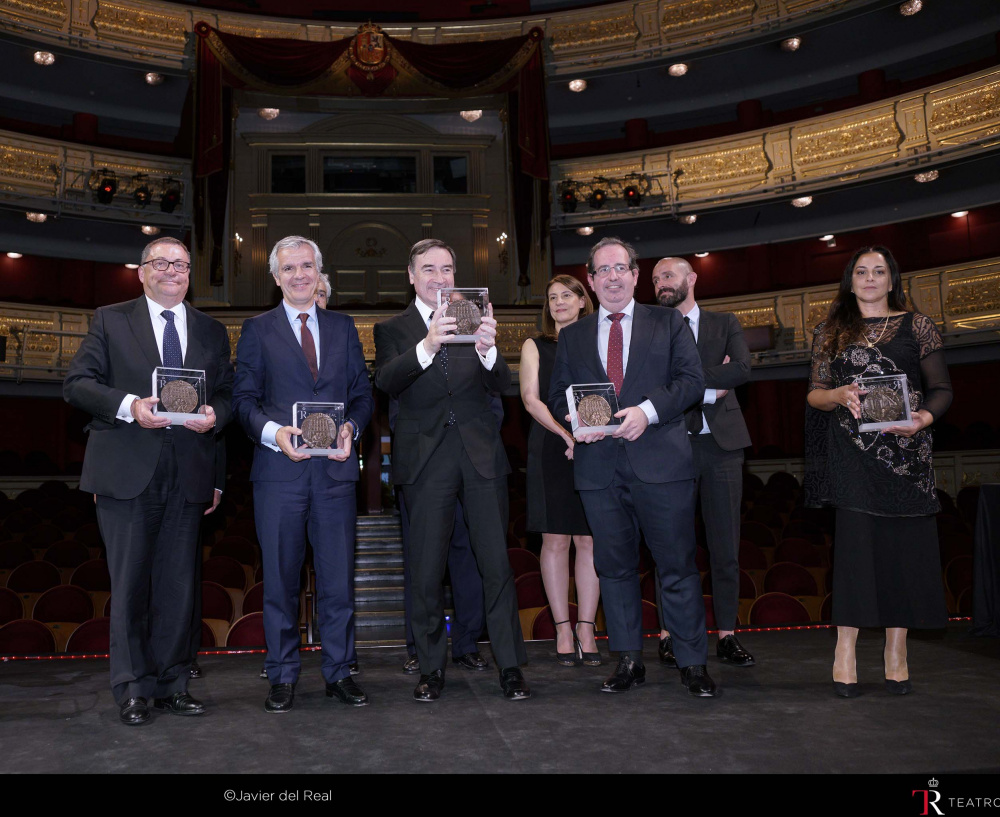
x=887, y=565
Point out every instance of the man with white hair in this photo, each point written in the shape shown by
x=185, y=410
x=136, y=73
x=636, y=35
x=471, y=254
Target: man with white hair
x=297, y=352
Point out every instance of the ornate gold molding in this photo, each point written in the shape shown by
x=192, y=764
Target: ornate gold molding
x=701, y=13
x=602, y=33
x=129, y=22
x=939, y=124
x=54, y=10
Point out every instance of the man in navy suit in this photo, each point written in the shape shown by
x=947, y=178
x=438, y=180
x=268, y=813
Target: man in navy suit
x=640, y=477
x=299, y=353
x=153, y=481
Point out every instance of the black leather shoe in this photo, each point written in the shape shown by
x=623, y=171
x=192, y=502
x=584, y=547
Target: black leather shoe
x=412, y=665
x=347, y=691
x=355, y=668
x=846, y=690
x=134, y=712
x=194, y=671
x=514, y=687
x=180, y=703
x=730, y=651
x=429, y=687
x=473, y=661
x=627, y=674
x=898, y=687
x=698, y=682
x=666, y=651
x=280, y=698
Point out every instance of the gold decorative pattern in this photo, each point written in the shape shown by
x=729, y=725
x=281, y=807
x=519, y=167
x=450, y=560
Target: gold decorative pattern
x=290, y=32
x=125, y=21
x=980, y=295
x=29, y=164
x=52, y=9
x=867, y=136
x=721, y=165
x=970, y=107
x=600, y=33
x=817, y=312
x=760, y=316
x=699, y=13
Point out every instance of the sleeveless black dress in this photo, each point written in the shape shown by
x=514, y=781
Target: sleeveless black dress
x=553, y=504
x=887, y=569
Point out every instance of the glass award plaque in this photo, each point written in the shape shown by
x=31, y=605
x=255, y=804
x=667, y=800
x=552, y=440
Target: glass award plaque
x=468, y=306
x=885, y=401
x=321, y=424
x=181, y=393
x=592, y=407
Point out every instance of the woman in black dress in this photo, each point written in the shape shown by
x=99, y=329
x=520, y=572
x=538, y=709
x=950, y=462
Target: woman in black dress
x=554, y=507
x=887, y=566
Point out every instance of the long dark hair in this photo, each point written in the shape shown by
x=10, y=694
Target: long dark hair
x=574, y=286
x=844, y=322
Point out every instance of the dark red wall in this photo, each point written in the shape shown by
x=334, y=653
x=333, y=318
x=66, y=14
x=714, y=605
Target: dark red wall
x=63, y=282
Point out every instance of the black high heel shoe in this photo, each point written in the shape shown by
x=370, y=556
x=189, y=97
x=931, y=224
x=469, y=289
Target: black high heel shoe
x=567, y=659
x=588, y=659
x=847, y=690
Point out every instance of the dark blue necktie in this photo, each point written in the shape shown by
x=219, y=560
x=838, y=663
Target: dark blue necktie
x=442, y=357
x=172, y=356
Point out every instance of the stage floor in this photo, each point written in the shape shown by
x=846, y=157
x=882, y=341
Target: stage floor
x=780, y=716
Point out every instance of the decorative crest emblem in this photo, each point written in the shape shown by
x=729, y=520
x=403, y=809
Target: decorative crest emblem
x=369, y=49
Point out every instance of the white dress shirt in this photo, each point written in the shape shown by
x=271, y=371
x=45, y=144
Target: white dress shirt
x=425, y=359
x=694, y=319
x=603, y=336
x=159, y=323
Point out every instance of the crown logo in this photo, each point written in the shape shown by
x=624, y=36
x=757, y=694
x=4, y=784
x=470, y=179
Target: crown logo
x=932, y=783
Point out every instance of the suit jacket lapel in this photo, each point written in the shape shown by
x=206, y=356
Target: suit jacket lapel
x=593, y=352
x=142, y=328
x=283, y=329
x=327, y=347
x=642, y=335
x=194, y=356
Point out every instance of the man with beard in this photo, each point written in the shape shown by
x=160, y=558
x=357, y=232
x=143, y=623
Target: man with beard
x=718, y=435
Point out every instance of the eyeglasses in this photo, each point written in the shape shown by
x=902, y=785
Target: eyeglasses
x=604, y=272
x=162, y=264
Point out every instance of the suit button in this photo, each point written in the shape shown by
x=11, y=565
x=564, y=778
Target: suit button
x=315, y=392
x=450, y=393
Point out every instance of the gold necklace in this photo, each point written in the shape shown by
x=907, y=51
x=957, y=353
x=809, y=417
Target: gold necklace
x=868, y=339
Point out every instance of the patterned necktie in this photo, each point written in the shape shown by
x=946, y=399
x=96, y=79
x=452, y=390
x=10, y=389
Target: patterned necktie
x=172, y=355
x=442, y=357
x=308, y=346
x=693, y=418
x=616, y=342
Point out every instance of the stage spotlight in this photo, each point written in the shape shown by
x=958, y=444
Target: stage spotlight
x=632, y=196
x=171, y=196
x=141, y=194
x=567, y=200
x=597, y=199
x=108, y=186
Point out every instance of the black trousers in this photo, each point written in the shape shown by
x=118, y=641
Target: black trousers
x=450, y=477
x=664, y=512
x=152, y=543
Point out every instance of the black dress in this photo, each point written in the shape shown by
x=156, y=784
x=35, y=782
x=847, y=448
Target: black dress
x=887, y=564
x=553, y=504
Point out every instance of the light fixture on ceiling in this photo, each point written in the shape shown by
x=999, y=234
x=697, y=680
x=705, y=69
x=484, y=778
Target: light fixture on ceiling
x=14, y=255
x=632, y=196
x=597, y=199
x=470, y=116
x=826, y=237
x=584, y=230
x=926, y=176
x=171, y=196
x=149, y=229
x=701, y=255
x=910, y=7
x=678, y=69
x=577, y=85
x=152, y=78
x=37, y=218
x=567, y=199
x=107, y=187
x=960, y=213
x=131, y=266
x=141, y=194
x=802, y=201
x=688, y=218
x=791, y=44
x=44, y=57
x=268, y=113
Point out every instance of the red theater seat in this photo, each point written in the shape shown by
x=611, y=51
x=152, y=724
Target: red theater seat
x=247, y=632
x=777, y=608
x=64, y=603
x=544, y=626
x=92, y=636
x=530, y=591
x=26, y=637
x=523, y=561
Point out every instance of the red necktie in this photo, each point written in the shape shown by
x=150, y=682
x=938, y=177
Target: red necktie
x=616, y=343
x=308, y=346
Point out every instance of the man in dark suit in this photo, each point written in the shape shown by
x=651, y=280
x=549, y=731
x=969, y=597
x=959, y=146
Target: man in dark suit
x=153, y=480
x=297, y=352
x=447, y=448
x=718, y=435
x=640, y=477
